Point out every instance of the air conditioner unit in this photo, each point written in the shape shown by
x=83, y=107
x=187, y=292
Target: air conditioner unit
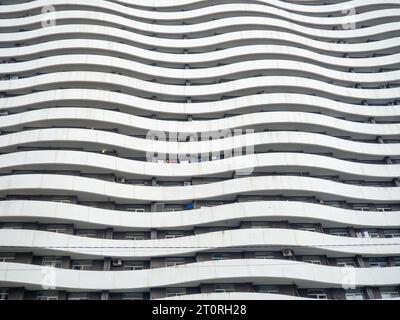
x=187, y=183
x=121, y=180
x=287, y=253
x=117, y=262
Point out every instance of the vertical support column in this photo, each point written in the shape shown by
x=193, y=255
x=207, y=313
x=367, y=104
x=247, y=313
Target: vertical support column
x=360, y=261
x=369, y=293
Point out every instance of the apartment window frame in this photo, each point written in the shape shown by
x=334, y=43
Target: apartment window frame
x=382, y=209
x=174, y=234
x=264, y=255
x=133, y=209
x=57, y=229
x=211, y=204
x=391, y=233
x=47, y=296
x=354, y=293
x=312, y=260
x=4, y=294
x=378, y=264
x=86, y=233
x=267, y=289
x=82, y=265
x=62, y=200
x=52, y=261
x=80, y=296
x=345, y=263
x=309, y=229
x=217, y=256
x=174, y=262
x=132, y=296
x=260, y=225
x=224, y=288
x=371, y=234
x=318, y=294
x=133, y=265
x=12, y=225
x=7, y=258
x=391, y=291
x=396, y=262
x=175, y=291
x=338, y=232
x=136, y=236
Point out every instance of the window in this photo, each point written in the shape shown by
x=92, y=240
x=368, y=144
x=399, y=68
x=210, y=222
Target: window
x=371, y=234
x=47, y=296
x=222, y=288
x=62, y=200
x=268, y=289
x=313, y=260
x=213, y=204
x=368, y=234
x=173, y=235
x=86, y=233
x=261, y=224
x=173, y=262
x=317, y=294
x=55, y=262
x=264, y=255
x=82, y=265
x=78, y=296
x=391, y=233
x=361, y=208
x=355, y=294
x=57, y=229
x=134, y=236
x=383, y=209
x=174, y=292
x=337, y=232
x=132, y=296
x=3, y=294
x=377, y=263
x=158, y=207
x=389, y=293
x=11, y=225
x=345, y=263
x=133, y=265
x=220, y=256
x=135, y=209
x=310, y=229
x=396, y=262
x=7, y=258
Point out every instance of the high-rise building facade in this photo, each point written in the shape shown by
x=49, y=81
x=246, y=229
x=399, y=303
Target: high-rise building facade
x=193, y=149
